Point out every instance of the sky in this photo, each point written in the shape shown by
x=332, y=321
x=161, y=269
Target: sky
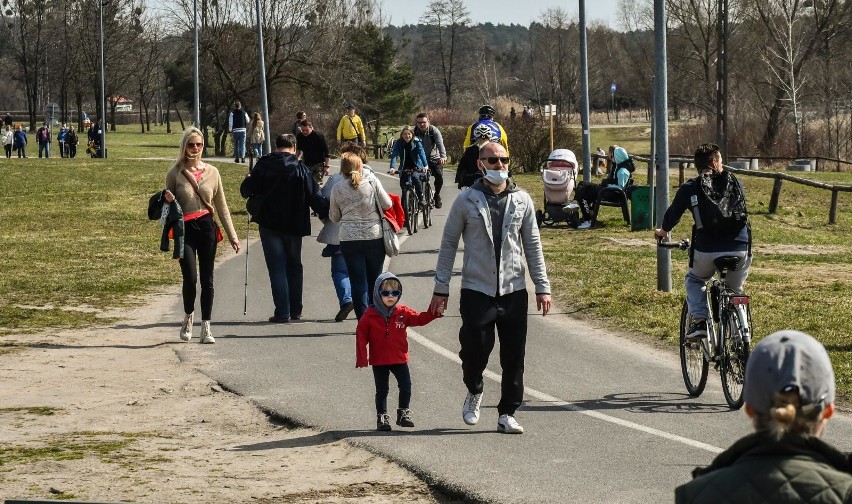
x=508, y=11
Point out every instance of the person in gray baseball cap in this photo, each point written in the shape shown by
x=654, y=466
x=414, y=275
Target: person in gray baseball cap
x=789, y=396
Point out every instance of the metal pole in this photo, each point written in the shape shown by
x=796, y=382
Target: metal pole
x=584, y=110
x=652, y=161
x=722, y=79
x=101, y=4
x=661, y=119
x=267, y=144
x=196, y=104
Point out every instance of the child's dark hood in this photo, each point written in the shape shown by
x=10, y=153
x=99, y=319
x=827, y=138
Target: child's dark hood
x=377, y=298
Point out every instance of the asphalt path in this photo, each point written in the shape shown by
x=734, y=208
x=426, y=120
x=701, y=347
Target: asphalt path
x=607, y=419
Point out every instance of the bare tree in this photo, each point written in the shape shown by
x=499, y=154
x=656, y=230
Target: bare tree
x=448, y=22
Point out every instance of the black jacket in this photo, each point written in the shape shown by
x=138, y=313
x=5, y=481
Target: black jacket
x=287, y=209
x=468, y=169
x=174, y=222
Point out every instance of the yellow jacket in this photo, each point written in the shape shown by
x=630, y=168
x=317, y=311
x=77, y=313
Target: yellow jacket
x=346, y=131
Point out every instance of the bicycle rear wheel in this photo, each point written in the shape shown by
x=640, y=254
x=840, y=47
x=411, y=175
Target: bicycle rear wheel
x=427, y=208
x=409, y=205
x=693, y=364
x=735, y=352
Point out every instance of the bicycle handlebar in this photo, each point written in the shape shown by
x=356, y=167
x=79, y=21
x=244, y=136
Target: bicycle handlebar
x=681, y=245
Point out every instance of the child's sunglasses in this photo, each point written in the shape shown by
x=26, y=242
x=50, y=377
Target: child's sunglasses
x=386, y=293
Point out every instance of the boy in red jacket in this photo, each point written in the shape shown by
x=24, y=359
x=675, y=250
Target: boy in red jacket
x=383, y=328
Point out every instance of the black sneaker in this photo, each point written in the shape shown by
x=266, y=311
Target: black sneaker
x=697, y=330
x=383, y=422
x=403, y=417
x=438, y=203
x=344, y=312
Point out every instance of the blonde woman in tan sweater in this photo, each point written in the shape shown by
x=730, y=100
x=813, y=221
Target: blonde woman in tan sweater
x=197, y=187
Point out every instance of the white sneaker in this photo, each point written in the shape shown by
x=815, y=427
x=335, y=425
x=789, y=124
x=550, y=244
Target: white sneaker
x=508, y=425
x=584, y=225
x=470, y=412
x=206, y=334
x=186, y=328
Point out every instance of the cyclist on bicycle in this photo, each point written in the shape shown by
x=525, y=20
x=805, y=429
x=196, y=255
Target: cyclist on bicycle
x=712, y=236
x=409, y=156
x=468, y=170
x=486, y=118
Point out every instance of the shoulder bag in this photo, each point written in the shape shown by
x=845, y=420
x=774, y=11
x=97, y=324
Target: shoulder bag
x=194, y=184
x=389, y=237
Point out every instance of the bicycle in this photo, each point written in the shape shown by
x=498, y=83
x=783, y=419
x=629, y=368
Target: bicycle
x=728, y=341
x=390, y=139
x=410, y=205
x=429, y=198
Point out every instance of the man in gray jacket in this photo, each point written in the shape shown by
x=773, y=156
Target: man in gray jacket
x=433, y=145
x=493, y=291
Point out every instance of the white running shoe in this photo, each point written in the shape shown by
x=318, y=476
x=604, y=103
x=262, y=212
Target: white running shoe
x=584, y=225
x=186, y=328
x=470, y=412
x=206, y=334
x=508, y=425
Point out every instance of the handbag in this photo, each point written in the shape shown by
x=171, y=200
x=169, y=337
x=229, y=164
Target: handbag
x=216, y=228
x=389, y=237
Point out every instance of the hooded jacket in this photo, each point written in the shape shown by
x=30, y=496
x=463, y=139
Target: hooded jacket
x=517, y=242
x=399, y=153
x=761, y=469
x=383, y=329
x=172, y=225
x=285, y=210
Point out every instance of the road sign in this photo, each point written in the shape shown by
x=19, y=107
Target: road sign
x=550, y=110
x=51, y=113
x=612, y=88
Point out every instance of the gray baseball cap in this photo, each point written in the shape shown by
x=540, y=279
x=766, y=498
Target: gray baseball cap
x=785, y=361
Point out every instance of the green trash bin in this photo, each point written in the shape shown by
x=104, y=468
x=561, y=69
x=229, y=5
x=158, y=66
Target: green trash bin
x=641, y=209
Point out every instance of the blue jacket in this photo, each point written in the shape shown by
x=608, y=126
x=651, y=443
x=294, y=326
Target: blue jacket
x=416, y=149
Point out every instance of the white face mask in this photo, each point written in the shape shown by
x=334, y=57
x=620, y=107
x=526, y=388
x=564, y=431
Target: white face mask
x=496, y=177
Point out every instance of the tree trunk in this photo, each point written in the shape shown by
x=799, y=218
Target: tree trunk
x=773, y=123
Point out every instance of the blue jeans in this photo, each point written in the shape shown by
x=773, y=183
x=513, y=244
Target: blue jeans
x=239, y=144
x=340, y=278
x=381, y=375
x=258, y=149
x=702, y=269
x=416, y=180
x=364, y=261
x=44, y=148
x=283, y=254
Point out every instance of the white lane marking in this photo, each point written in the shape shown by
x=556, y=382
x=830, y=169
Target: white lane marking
x=541, y=396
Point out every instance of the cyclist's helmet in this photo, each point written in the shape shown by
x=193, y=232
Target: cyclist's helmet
x=482, y=131
x=487, y=110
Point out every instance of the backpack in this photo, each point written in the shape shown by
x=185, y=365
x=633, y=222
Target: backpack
x=42, y=135
x=721, y=205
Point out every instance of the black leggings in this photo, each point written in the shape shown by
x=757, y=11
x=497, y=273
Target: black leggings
x=381, y=374
x=200, y=240
x=437, y=170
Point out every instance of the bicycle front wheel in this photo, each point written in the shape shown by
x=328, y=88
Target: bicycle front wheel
x=693, y=364
x=427, y=208
x=735, y=352
x=410, y=207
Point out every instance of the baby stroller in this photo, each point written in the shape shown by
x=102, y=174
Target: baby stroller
x=559, y=176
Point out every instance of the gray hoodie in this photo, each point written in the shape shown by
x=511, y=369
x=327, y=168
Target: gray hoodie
x=378, y=305
x=470, y=218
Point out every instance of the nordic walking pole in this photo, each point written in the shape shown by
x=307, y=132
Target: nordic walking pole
x=248, y=228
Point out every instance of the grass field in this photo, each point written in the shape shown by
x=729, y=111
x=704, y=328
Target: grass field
x=78, y=243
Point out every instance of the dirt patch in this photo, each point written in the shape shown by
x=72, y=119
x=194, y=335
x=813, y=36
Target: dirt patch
x=112, y=415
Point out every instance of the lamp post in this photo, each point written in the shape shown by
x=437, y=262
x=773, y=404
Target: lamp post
x=196, y=105
x=262, y=62
x=101, y=4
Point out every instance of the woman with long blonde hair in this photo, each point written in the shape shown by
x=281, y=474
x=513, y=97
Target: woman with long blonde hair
x=197, y=187
x=256, y=134
x=353, y=205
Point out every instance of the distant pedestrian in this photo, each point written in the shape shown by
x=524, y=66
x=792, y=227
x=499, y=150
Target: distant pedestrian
x=43, y=138
x=600, y=162
x=497, y=222
x=513, y=113
x=71, y=142
x=60, y=138
x=300, y=116
x=789, y=391
x=382, y=331
x=8, y=140
x=237, y=123
x=197, y=186
x=313, y=150
x=20, y=141
x=351, y=128
x=257, y=134
x=7, y=120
